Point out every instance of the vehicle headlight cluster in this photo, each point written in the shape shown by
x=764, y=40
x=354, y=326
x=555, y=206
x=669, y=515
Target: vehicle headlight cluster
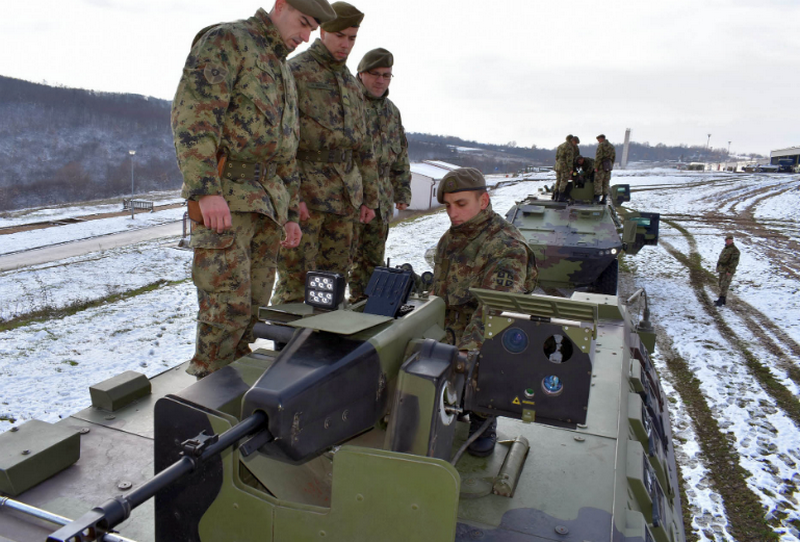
x=324, y=289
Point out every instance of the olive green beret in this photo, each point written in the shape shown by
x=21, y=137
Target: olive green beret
x=459, y=180
x=377, y=58
x=729, y=236
x=346, y=16
x=577, y=139
x=321, y=10
x=601, y=135
x=569, y=137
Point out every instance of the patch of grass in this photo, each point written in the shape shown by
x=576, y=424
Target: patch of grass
x=52, y=313
x=70, y=362
x=7, y=418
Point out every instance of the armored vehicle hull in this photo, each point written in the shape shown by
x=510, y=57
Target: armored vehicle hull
x=578, y=243
x=354, y=431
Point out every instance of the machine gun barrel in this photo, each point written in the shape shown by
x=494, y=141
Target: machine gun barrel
x=95, y=523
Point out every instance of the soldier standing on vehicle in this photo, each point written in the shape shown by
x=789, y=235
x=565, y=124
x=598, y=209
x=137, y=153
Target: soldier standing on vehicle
x=385, y=128
x=480, y=250
x=236, y=135
x=338, y=170
x=726, y=267
x=565, y=156
x=603, y=164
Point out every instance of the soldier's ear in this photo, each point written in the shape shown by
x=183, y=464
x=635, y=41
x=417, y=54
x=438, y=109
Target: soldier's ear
x=484, y=200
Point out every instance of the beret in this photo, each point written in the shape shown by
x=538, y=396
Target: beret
x=460, y=180
x=346, y=16
x=377, y=58
x=321, y=10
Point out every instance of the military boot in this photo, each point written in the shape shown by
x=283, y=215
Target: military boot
x=720, y=302
x=597, y=199
x=484, y=444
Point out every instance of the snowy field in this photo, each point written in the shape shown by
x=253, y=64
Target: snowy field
x=47, y=365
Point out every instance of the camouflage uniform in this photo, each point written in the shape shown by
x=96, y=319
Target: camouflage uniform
x=726, y=267
x=565, y=157
x=484, y=252
x=236, y=103
x=337, y=167
x=604, y=161
x=385, y=127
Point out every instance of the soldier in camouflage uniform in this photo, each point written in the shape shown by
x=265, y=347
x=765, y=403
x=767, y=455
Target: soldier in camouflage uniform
x=603, y=164
x=234, y=120
x=480, y=250
x=385, y=127
x=338, y=170
x=565, y=156
x=726, y=267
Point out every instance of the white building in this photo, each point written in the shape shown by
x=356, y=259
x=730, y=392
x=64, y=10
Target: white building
x=425, y=178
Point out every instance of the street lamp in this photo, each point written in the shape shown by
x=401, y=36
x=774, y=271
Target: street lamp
x=729, y=148
x=132, y=153
x=708, y=140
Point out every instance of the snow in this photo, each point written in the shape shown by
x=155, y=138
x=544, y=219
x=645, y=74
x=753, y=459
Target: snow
x=47, y=365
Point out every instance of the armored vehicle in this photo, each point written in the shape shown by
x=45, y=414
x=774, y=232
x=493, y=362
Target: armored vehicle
x=578, y=243
x=353, y=430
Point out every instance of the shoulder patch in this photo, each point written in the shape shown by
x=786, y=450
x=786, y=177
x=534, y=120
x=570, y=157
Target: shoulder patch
x=504, y=278
x=215, y=73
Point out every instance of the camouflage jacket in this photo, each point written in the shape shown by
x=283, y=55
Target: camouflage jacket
x=333, y=117
x=385, y=128
x=565, y=156
x=587, y=169
x=237, y=97
x=605, y=151
x=728, y=259
x=485, y=252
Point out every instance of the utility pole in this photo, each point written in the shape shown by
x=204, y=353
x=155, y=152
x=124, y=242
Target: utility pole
x=132, y=153
x=729, y=148
x=708, y=140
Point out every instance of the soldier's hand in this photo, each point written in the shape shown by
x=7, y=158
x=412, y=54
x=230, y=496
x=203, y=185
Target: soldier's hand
x=293, y=235
x=216, y=213
x=401, y=206
x=366, y=215
x=304, y=214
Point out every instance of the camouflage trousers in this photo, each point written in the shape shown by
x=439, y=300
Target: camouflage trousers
x=234, y=272
x=724, y=283
x=326, y=246
x=601, y=180
x=562, y=178
x=369, y=246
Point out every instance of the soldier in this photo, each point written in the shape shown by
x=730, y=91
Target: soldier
x=338, y=171
x=603, y=164
x=236, y=131
x=480, y=250
x=575, y=142
x=385, y=128
x=586, y=166
x=565, y=156
x=726, y=267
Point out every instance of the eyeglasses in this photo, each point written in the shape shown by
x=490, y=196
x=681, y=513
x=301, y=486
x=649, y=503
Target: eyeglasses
x=387, y=76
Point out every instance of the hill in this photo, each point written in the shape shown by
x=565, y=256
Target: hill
x=60, y=145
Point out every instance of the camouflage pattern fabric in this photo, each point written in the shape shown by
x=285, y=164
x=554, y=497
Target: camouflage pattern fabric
x=234, y=272
x=325, y=246
x=726, y=267
x=236, y=98
x=605, y=156
x=385, y=128
x=484, y=252
x=332, y=117
x=565, y=157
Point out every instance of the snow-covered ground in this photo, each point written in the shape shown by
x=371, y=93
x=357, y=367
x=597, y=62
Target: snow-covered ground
x=47, y=366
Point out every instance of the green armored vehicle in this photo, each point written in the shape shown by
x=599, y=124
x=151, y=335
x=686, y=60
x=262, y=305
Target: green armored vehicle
x=578, y=243
x=354, y=431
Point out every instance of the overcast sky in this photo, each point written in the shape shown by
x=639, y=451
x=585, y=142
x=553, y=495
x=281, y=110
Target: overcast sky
x=528, y=71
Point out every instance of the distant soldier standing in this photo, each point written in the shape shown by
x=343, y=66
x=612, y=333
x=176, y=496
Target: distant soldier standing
x=603, y=164
x=234, y=120
x=385, y=127
x=338, y=170
x=480, y=250
x=726, y=267
x=565, y=157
